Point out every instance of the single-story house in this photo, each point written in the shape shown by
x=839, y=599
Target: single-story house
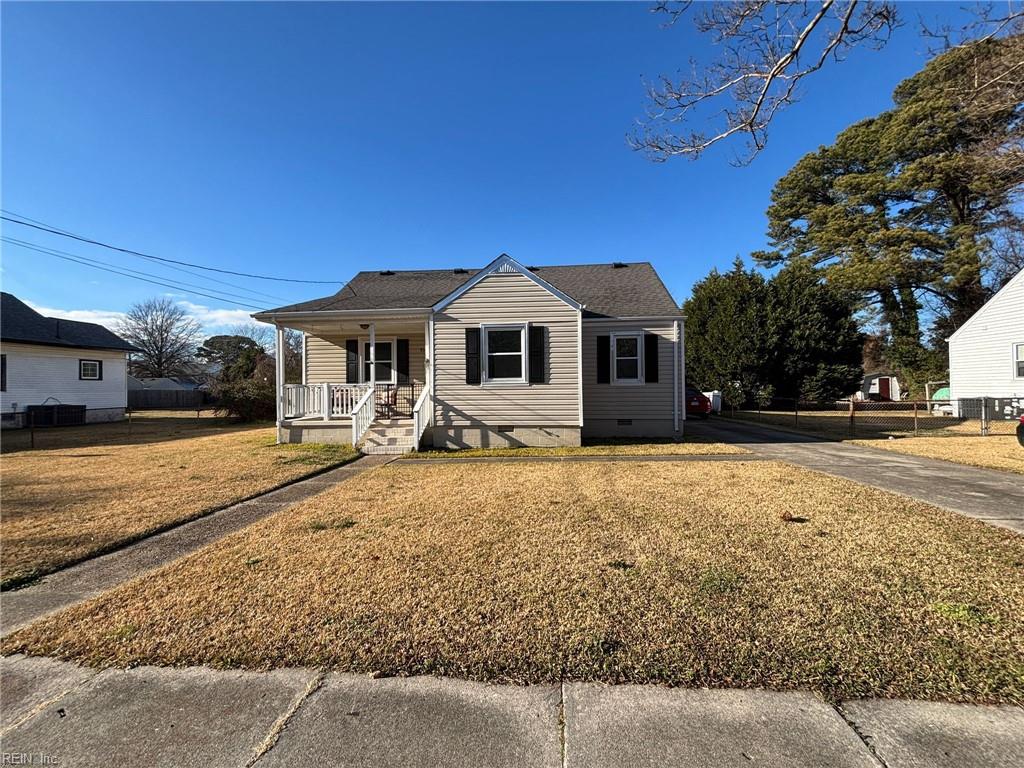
x=47, y=361
x=986, y=353
x=506, y=355
x=881, y=387
x=163, y=384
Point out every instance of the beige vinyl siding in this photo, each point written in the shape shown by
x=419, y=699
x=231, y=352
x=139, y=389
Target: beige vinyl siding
x=628, y=401
x=325, y=357
x=506, y=298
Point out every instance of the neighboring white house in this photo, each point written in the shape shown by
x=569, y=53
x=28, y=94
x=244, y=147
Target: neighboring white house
x=48, y=361
x=986, y=354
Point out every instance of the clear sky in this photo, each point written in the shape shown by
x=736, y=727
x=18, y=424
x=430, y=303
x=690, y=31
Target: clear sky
x=315, y=140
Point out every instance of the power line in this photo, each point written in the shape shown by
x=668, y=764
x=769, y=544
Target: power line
x=98, y=262
x=62, y=233
x=78, y=260
x=260, y=294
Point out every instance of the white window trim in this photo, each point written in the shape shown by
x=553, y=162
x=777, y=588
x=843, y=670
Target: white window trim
x=639, y=336
x=82, y=376
x=523, y=339
x=1016, y=360
x=363, y=341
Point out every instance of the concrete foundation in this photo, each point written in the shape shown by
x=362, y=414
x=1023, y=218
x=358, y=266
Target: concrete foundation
x=453, y=437
x=631, y=428
x=338, y=432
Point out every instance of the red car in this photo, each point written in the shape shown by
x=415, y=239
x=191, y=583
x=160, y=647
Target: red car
x=697, y=404
x=1020, y=431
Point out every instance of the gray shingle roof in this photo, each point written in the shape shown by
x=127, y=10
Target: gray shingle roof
x=626, y=290
x=20, y=323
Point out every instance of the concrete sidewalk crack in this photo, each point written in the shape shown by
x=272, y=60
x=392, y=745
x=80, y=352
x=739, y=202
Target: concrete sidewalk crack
x=282, y=722
x=8, y=727
x=860, y=735
x=561, y=719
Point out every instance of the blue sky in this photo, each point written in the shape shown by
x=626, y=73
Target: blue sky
x=315, y=140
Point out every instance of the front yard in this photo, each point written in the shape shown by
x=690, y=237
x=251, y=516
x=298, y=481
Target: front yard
x=737, y=574
x=97, y=487
x=992, y=452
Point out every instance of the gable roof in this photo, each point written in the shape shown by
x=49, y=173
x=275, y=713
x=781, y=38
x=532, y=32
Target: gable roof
x=1004, y=291
x=20, y=323
x=506, y=265
x=604, y=290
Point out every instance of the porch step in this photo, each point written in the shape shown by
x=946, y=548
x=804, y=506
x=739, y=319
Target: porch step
x=388, y=436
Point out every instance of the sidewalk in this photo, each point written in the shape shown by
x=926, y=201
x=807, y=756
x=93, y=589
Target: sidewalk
x=201, y=717
x=87, y=579
x=989, y=495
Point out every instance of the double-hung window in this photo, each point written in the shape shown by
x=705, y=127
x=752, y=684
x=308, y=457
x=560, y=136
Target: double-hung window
x=1018, y=360
x=385, y=359
x=90, y=370
x=626, y=358
x=504, y=353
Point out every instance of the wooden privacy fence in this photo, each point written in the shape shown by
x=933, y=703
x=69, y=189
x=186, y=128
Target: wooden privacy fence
x=142, y=399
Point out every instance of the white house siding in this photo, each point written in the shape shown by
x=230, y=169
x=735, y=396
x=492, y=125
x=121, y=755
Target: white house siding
x=649, y=407
x=981, y=352
x=38, y=374
x=468, y=414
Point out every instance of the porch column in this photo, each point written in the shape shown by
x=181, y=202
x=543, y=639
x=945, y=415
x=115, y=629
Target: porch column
x=279, y=376
x=373, y=355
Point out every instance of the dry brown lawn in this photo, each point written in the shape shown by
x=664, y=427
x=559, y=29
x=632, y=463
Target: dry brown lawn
x=104, y=487
x=993, y=452
x=734, y=574
x=695, y=446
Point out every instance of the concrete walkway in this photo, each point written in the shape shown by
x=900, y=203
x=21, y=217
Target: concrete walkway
x=180, y=718
x=87, y=579
x=986, y=494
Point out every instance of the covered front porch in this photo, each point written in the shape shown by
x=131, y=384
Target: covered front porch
x=366, y=380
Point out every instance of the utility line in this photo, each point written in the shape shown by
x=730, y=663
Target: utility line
x=62, y=233
x=260, y=294
x=98, y=262
x=78, y=260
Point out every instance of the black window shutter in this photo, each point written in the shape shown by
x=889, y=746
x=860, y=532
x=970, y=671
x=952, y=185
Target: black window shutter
x=604, y=359
x=538, y=354
x=402, y=360
x=3, y=373
x=651, y=358
x=99, y=366
x=472, y=355
x=351, y=361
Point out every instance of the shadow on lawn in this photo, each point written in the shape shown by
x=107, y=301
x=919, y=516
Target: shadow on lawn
x=144, y=427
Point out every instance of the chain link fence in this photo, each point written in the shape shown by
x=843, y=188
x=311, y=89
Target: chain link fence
x=76, y=427
x=842, y=419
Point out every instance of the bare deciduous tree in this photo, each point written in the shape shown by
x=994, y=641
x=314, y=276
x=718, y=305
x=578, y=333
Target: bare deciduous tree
x=766, y=50
x=166, y=335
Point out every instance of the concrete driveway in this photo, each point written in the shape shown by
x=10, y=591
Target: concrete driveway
x=180, y=718
x=986, y=494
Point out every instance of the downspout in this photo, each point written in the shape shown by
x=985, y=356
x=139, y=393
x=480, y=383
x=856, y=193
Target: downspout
x=682, y=361
x=304, y=337
x=675, y=376
x=579, y=365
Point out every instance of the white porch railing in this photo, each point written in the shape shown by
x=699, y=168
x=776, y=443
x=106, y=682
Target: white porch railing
x=420, y=418
x=307, y=400
x=363, y=415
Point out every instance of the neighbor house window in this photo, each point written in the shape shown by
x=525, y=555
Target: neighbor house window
x=385, y=361
x=504, y=352
x=90, y=370
x=1018, y=360
x=626, y=358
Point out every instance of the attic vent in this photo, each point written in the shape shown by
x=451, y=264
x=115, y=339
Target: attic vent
x=506, y=269
x=460, y=271
x=387, y=272
x=618, y=265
